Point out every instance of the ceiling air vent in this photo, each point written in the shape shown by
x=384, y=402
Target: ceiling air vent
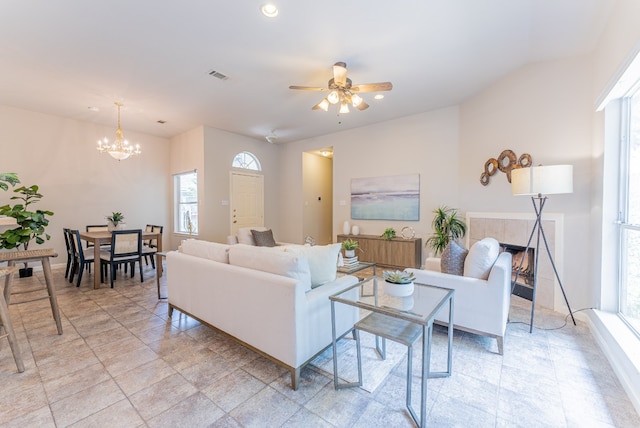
x=218, y=75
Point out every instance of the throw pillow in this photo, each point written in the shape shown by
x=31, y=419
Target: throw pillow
x=206, y=250
x=263, y=239
x=482, y=255
x=452, y=259
x=244, y=234
x=277, y=262
x=323, y=261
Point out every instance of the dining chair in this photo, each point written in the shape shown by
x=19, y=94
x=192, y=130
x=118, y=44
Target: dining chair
x=70, y=252
x=82, y=256
x=150, y=247
x=126, y=248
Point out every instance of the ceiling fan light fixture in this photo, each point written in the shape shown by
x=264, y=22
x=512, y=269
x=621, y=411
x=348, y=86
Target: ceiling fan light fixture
x=269, y=10
x=333, y=97
x=322, y=105
x=344, y=108
x=356, y=100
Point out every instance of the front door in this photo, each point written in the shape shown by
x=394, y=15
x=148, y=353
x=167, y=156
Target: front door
x=247, y=200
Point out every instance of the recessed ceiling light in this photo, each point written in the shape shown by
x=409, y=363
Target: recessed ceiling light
x=379, y=96
x=93, y=108
x=269, y=10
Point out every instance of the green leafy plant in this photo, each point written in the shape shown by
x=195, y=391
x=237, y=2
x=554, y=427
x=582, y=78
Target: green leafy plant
x=349, y=244
x=31, y=224
x=398, y=277
x=115, y=218
x=8, y=177
x=389, y=233
x=446, y=226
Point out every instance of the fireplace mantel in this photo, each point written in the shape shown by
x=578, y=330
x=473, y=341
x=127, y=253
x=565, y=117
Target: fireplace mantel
x=515, y=228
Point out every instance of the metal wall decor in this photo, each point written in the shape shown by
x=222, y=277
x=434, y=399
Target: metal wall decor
x=506, y=162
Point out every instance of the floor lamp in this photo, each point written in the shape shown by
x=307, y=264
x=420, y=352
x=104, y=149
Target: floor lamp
x=537, y=182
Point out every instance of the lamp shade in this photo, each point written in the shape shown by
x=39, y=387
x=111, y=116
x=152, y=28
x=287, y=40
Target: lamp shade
x=542, y=180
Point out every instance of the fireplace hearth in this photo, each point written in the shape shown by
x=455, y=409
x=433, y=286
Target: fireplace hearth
x=523, y=259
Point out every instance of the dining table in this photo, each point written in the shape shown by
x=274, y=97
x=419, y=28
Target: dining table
x=99, y=238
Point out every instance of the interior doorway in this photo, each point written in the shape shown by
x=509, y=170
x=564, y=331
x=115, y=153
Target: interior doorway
x=246, y=201
x=317, y=185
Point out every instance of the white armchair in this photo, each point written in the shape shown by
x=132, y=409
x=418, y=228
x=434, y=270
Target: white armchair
x=480, y=306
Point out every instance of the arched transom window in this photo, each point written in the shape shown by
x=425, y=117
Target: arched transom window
x=246, y=160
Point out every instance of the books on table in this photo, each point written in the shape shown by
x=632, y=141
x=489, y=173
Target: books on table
x=350, y=261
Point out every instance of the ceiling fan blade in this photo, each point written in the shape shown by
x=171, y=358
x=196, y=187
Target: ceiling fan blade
x=362, y=106
x=372, y=87
x=340, y=73
x=307, y=88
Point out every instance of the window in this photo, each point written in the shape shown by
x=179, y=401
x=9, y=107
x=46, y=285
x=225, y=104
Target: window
x=246, y=160
x=185, y=193
x=629, y=305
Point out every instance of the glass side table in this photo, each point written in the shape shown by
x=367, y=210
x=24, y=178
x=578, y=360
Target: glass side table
x=403, y=320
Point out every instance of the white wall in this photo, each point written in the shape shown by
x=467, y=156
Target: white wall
x=186, y=154
x=426, y=144
x=546, y=110
x=80, y=185
x=318, y=198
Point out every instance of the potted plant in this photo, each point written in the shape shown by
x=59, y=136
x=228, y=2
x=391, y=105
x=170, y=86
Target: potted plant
x=398, y=283
x=389, y=233
x=31, y=224
x=446, y=226
x=8, y=177
x=350, y=246
x=115, y=221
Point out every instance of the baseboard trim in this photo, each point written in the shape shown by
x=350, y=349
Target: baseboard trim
x=619, y=345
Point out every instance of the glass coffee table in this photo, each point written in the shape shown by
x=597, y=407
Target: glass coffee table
x=401, y=319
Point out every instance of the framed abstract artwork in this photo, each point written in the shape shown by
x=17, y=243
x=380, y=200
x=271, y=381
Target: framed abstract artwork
x=386, y=198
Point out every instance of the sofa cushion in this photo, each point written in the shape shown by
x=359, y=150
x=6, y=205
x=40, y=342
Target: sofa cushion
x=482, y=255
x=206, y=250
x=270, y=260
x=323, y=261
x=246, y=237
x=263, y=238
x=452, y=258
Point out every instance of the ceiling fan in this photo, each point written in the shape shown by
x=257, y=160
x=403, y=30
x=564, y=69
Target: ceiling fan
x=343, y=92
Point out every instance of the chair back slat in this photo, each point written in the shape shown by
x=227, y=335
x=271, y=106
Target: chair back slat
x=126, y=242
x=95, y=228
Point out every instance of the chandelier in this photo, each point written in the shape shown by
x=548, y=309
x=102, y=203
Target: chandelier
x=120, y=148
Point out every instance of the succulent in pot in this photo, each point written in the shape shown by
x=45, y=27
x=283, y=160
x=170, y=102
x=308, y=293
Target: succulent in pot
x=398, y=276
x=115, y=220
x=398, y=283
x=389, y=233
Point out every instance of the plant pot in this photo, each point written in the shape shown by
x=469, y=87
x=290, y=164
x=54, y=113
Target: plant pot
x=349, y=253
x=25, y=272
x=398, y=290
x=120, y=226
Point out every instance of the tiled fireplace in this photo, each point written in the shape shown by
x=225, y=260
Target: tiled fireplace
x=514, y=229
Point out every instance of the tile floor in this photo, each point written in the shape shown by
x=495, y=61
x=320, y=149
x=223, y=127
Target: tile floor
x=122, y=363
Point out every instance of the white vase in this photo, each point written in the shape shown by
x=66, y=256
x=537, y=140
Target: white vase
x=355, y=230
x=398, y=290
x=346, y=227
x=349, y=253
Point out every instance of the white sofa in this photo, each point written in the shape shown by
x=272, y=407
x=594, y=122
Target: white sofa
x=481, y=306
x=262, y=297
